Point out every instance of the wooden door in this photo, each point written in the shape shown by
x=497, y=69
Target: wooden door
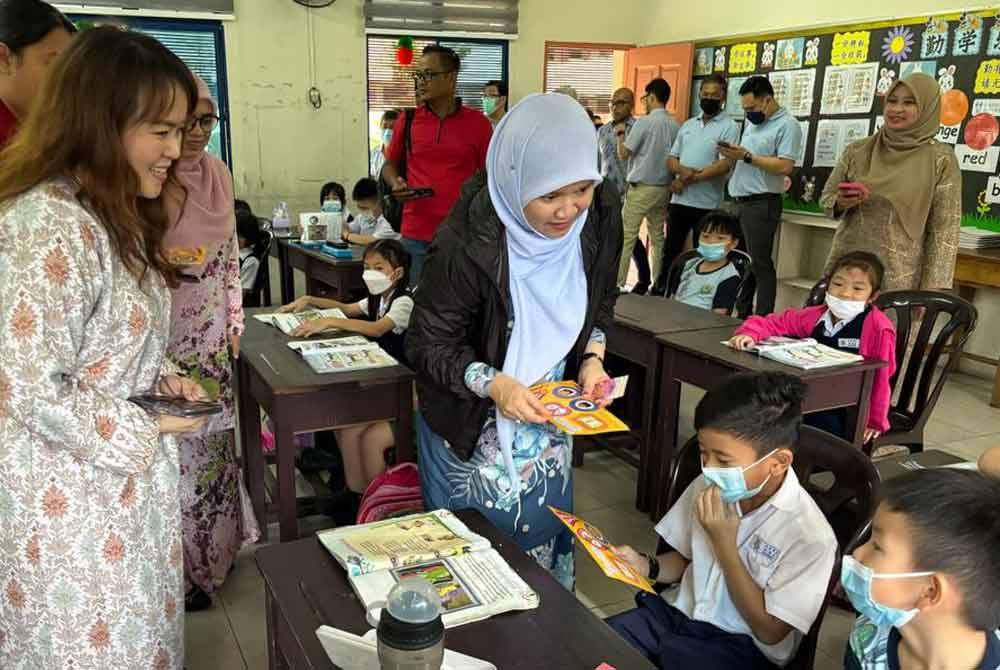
x=672, y=62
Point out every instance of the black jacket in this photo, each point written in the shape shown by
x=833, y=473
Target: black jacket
x=463, y=306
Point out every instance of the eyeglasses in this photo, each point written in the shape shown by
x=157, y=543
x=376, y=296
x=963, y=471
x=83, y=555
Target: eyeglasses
x=207, y=123
x=426, y=75
x=615, y=103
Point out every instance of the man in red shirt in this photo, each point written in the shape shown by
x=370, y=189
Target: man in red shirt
x=447, y=145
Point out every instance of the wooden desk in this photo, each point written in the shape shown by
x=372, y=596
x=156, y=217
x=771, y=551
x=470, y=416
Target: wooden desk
x=638, y=321
x=699, y=358
x=892, y=466
x=327, y=276
x=306, y=588
x=975, y=269
x=272, y=376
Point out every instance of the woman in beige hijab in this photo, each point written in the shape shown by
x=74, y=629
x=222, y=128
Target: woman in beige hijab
x=912, y=214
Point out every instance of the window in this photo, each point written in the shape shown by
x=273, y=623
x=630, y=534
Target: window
x=201, y=46
x=390, y=85
x=588, y=68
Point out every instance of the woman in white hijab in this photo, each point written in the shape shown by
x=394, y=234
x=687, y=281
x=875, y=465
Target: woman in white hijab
x=518, y=289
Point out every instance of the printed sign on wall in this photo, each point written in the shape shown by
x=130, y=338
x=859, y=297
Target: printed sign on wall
x=850, y=48
x=743, y=58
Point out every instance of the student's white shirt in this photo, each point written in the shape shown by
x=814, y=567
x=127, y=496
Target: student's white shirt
x=378, y=228
x=829, y=327
x=249, y=265
x=399, y=311
x=787, y=547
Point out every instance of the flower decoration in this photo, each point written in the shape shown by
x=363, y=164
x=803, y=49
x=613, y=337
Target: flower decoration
x=404, y=50
x=938, y=25
x=896, y=46
x=971, y=22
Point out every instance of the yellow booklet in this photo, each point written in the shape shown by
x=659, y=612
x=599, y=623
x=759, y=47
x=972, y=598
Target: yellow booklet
x=600, y=550
x=574, y=414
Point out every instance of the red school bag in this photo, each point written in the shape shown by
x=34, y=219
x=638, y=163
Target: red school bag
x=395, y=492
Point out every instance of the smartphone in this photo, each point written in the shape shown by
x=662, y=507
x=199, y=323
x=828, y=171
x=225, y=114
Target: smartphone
x=415, y=193
x=724, y=144
x=154, y=403
x=852, y=188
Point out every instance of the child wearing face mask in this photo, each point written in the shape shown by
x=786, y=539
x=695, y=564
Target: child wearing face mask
x=927, y=583
x=750, y=553
x=384, y=317
x=711, y=281
x=369, y=225
x=848, y=322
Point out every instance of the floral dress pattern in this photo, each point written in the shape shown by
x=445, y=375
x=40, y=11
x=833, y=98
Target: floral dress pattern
x=90, y=543
x=215, y=507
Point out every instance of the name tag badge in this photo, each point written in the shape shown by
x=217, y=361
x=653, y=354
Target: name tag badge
x=766, y=554
x=849, y=343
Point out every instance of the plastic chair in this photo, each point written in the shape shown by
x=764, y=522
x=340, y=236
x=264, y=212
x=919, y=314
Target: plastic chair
x=739, y=259
x=919, y=377
x=844, y=488
x=252, y=297
x=817, y=294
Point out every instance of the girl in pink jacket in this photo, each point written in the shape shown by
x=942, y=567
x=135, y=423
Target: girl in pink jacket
x=849, y=322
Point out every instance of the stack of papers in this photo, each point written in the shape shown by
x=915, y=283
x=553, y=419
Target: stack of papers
x=977, y=238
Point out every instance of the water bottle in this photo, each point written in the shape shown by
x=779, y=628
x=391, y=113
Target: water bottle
x=335, y=220
x=410, y=632
x=279, y=220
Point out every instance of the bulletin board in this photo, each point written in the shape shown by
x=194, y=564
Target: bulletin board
x=834, y=80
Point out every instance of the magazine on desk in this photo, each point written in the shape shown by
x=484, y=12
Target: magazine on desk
x=473, y=580
x=806, y=354
x=346, y=354
x=288, y=322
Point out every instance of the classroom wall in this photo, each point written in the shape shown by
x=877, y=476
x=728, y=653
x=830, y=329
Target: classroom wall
x=673, y=21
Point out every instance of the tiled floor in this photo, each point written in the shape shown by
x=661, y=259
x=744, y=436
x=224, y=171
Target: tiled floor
x=232, y=634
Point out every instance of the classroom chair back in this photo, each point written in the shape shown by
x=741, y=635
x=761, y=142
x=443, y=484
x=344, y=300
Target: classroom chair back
x=921, y=343
x=252, y=297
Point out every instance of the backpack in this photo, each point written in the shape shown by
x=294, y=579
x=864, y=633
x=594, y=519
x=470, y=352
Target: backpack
x=395, y=492
x=392, y=209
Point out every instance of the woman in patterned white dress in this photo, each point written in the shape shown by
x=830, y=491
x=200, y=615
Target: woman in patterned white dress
x=90, y=541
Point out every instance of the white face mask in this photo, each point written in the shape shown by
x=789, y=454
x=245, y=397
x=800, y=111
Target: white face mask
x=845, y=310
x=376, y=282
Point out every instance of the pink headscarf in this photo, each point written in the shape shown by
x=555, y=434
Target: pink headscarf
x=207, y=215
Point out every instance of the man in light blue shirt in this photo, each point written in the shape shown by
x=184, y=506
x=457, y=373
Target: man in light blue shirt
x=700, y=172
x=770, y=145
x=646, y=148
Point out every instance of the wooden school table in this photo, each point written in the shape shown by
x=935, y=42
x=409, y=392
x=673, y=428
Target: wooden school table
x=899, y=464
x=638, y=321
x=273, y=377
x=306, y=588
x=699, y=358
x=975, y=269
x=326, y=276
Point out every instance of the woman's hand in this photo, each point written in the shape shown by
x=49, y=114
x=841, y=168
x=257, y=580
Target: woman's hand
x=741, y=342
x=638, y=561
x=515, y=401
x=596, y=384
x=846, y=202
x=181, y=387
x=313, y=326
x=298, y=305
x=172, y=425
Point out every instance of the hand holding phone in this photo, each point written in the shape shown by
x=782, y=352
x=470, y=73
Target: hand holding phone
x=853, y=189
x=724, y=144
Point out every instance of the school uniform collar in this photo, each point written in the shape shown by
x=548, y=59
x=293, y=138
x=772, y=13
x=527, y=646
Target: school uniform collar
x=991, y=659
x=786, y=498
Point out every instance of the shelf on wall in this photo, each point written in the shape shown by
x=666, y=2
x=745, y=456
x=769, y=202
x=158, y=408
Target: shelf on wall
x=811, y=220
x=804, y=283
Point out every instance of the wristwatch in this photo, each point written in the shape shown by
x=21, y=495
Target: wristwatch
x=748, y=158
x=585, y=357
x=654, y=567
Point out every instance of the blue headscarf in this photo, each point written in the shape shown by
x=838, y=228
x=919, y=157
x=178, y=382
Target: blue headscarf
x=546, y=142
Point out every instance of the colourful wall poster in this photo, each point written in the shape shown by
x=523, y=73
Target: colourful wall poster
x=906, y=68
x=993, y=43
x=703, y=61
x=743, y=58
x=988, y=77
x=790, y=53
x=734, y=101
x=934, y=41
x=767, y=56
x=849, y=89
x=720, y=59
x=897, y=44
x=850, y=48
x=794, y=90
x=968, y=35
x=812, y=51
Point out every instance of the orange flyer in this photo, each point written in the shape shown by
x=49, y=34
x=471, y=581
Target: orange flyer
x=600, y=550
x=574, y=414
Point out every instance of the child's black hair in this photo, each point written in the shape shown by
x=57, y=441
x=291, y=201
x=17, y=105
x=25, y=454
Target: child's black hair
x=394, y=254
x=865, y=261
x=333, y=188
x=248, y=227
x=242, y=208
x=719, y=221
x=365, y=189
x=954, y=518
x=761, y=408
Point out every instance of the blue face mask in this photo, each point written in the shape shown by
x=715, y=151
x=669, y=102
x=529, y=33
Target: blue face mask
x=857, y=582
x=731, y=482
x=756, y=117
x=712, y=252
x=386, y=137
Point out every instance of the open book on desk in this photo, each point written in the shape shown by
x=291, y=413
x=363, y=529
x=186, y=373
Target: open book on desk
x=289, y=321
x=806, y=354
x=346, y=354
x=473, y=580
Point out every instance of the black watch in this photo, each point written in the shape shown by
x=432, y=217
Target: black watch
x=654, y=567
x=748, y=158
x=583, y=359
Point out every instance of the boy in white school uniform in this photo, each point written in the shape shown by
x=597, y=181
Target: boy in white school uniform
x=752, y=552
x=369, y=225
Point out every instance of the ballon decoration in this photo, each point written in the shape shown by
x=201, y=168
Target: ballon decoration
x=954, y=107
x=981, y=131
x=404, y=50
